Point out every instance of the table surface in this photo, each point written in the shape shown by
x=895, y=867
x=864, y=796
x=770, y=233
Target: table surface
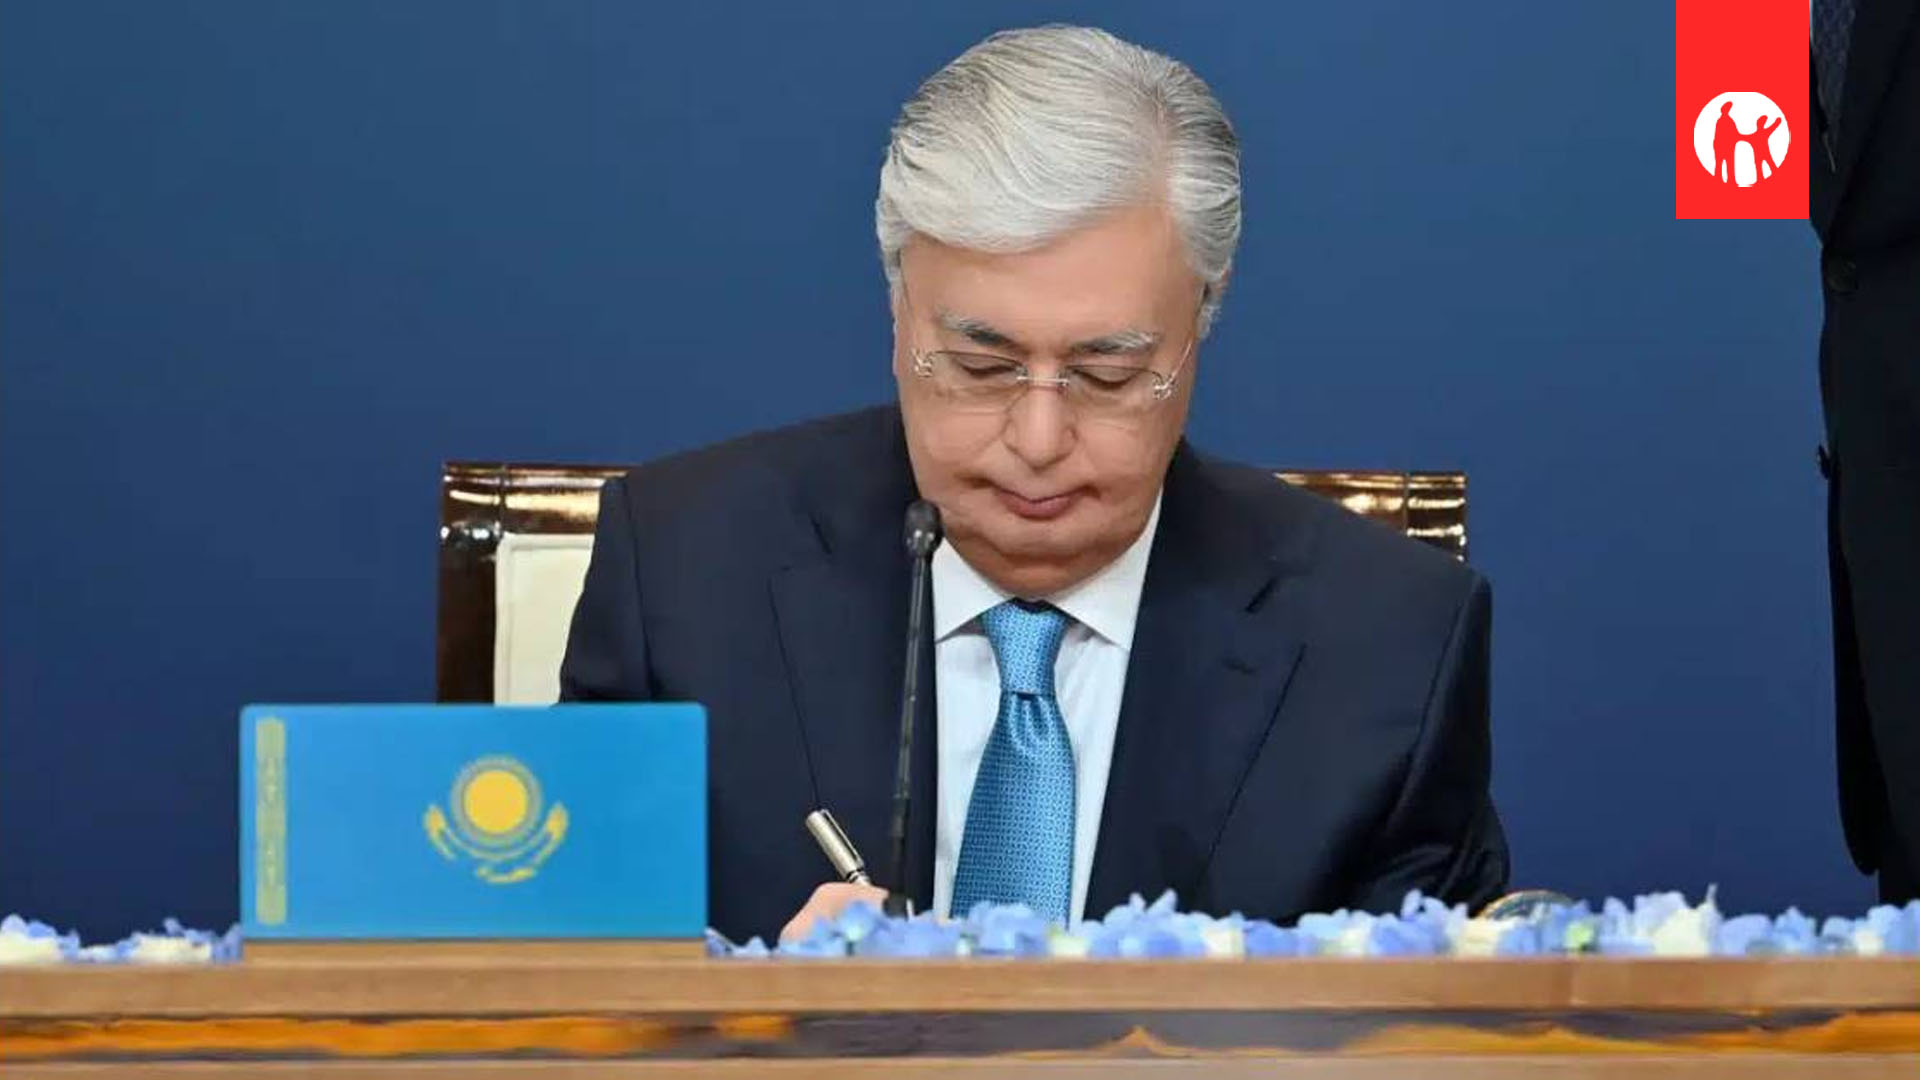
x=479, y=980
x=541, y=1011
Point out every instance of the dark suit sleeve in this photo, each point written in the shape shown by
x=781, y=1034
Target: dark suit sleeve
x=1443, y=836
x=606, y=658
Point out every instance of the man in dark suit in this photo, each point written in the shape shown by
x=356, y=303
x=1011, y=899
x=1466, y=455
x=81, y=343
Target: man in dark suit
x=1866, y=209
x=1151, y=670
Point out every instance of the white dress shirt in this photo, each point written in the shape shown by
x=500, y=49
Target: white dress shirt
x=1090, y=675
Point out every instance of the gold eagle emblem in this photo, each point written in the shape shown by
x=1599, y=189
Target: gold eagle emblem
x=497, y=821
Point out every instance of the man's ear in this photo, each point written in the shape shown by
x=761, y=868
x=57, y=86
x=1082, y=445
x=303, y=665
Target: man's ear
x=1217, y=288
x=1210, y=294
x=896, y=357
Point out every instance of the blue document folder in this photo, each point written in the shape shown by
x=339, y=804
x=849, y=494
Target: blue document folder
x=473, y=821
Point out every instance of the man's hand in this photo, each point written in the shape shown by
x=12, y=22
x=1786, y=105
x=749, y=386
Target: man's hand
x=827, y=902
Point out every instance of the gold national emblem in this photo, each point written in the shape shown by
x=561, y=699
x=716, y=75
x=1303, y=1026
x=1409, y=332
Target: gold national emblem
x=497, y=821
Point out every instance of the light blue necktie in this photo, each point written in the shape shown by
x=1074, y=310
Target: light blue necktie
x=1018, y=844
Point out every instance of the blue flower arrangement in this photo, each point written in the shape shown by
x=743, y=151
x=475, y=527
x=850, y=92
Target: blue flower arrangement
x=25, y=941
x=1658, y=924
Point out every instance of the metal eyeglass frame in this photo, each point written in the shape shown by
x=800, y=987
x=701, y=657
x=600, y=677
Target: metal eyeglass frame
x=1163, y=385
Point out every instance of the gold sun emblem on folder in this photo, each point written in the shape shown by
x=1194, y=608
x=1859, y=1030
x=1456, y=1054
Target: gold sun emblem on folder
x=497, y=821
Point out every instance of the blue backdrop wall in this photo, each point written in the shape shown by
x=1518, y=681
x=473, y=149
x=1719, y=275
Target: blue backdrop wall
x=266, y=265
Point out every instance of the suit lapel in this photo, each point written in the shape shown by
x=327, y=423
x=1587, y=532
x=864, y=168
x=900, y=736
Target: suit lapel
x=841, y=613
x=1214, y=649
x=1879, y=32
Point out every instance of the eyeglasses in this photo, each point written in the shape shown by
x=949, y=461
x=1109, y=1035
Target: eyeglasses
x=980, y=382
x=985, y=383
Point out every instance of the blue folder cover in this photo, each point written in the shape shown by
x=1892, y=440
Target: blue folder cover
x=473, y=821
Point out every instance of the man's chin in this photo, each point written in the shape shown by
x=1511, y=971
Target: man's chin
x=1027, y=563
x=1034, y=581
x=1023, y=538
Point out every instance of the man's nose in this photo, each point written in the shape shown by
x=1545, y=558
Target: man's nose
x=1040, y=427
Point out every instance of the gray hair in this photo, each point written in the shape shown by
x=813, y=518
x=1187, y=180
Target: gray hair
x=1032, y=134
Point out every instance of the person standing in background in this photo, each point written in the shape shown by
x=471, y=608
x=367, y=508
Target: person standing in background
x=1865, y=206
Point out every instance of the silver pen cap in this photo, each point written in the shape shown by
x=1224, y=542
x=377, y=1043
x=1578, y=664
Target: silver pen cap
x=837, y=848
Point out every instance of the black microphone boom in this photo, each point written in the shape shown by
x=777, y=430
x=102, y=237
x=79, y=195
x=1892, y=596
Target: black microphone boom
x=922, y=535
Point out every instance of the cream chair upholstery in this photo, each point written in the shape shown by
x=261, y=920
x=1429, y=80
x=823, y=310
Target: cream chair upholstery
x=537, y=579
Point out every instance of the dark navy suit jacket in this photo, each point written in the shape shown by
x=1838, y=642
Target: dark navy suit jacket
x=1304, y=724
x=1865, y=191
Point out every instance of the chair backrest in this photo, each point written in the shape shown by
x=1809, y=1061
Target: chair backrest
x=515, y=539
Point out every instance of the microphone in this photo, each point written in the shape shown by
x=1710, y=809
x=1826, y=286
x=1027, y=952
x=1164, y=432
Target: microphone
x=922, y=536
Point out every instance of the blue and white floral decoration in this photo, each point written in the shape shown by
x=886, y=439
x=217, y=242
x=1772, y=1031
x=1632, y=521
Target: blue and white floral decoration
x=24, y=941
x=1659, y=924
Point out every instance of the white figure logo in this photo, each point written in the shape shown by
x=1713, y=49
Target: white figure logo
x=1740, y=134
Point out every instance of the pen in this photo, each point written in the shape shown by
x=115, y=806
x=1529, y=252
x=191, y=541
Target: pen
x=839, y=850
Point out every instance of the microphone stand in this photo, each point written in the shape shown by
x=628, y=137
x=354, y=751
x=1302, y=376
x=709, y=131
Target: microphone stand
x=922, y=535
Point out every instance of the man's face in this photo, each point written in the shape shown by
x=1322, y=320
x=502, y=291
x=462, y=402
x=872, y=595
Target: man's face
x=1040, y=495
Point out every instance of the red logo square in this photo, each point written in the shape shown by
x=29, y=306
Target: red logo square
x=1742, y=130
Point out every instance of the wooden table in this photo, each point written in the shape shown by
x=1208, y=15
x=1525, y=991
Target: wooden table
x=534, y=1012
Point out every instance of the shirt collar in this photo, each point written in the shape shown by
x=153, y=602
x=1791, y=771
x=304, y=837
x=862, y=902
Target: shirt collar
x=1108, y=603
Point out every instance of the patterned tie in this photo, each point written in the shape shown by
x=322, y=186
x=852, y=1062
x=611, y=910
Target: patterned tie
x=1018, y=844
x=1832, y=29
